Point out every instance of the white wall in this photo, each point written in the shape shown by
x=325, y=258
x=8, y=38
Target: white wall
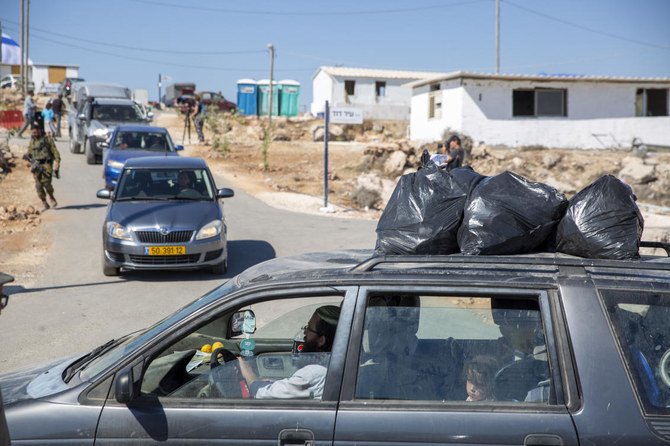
x=603, y=109
x=322, y=88
x=394, y=105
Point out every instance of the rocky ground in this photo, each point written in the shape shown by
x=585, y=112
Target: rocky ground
x=365, y=163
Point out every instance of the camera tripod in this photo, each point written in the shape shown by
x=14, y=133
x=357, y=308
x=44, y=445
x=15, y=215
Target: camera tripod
x=187, y=129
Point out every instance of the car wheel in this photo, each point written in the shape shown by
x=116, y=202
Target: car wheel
x=90, y=155
x=74, y=146
x=107, y=269
x=220, y=269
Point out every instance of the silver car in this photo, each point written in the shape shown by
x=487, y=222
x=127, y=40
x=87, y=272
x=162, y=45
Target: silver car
x=164, y=214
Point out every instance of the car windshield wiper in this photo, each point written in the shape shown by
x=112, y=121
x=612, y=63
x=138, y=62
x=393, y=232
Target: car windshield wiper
x=73, y=368
x=176, y=197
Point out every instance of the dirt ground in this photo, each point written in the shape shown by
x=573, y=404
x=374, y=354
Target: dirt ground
x=294, y=178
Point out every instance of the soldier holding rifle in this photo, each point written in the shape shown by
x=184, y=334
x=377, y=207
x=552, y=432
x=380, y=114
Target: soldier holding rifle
x=44, y=160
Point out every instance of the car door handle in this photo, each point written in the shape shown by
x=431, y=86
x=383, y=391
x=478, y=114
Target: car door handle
x=542, y=440
x=296, y=437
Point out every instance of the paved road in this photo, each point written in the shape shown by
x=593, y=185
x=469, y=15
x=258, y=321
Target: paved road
x=72, y=307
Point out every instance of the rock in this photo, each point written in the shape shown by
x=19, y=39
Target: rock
x=560, y=186
x=367, y=192
x=518, y=163
x=479, y=151
x=30, y=210
x=388, y=186
x=395, y=163
x=636, y=172
x=377, y=128
x=281, y=135
x=11, y=209
x=550, y=160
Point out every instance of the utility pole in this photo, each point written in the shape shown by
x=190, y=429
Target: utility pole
x=497, y=36
x=28, y=74
x=272, y=68
x=160, y=78
x=23, y=46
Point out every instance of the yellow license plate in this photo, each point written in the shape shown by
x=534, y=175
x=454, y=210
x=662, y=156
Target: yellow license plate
x=164, y=250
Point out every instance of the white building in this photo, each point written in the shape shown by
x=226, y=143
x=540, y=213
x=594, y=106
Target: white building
x=552, y=111
x=46, y=77
x=379, y=94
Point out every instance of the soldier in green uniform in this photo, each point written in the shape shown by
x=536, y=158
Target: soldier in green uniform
x=43, y=150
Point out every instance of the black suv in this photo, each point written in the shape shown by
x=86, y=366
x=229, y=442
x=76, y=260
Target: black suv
x=535, y=349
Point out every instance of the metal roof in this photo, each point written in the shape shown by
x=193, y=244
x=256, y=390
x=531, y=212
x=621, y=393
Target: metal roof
x=536, y=77
x=378, y=74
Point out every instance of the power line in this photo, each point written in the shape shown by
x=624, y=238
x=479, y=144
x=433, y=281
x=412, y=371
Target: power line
x=585, y=28
x=442, y=5
x=158, y=62
x=151, y=50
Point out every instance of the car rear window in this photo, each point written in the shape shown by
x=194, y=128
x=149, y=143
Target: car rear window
x=640, y=322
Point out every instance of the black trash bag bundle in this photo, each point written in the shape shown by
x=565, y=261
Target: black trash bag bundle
x=603, y=221
x=508, y=214
x=425, y=211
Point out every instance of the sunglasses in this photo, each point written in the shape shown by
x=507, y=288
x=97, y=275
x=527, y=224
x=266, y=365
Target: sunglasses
x=4, y=299
x=308, y=328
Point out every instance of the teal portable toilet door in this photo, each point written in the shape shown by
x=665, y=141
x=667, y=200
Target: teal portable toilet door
x=288, y=97
x=247, y=100
x=263, y=96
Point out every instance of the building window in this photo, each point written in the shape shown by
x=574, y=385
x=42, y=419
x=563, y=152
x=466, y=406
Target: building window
x=349, y=90
x=434, y=105
x=539, y=102
x=651, y=102
x=380, y=88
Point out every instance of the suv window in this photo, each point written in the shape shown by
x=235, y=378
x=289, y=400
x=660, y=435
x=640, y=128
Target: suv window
x=270, y=363
x=453, y=348
x=104, y=112
x=640, y=322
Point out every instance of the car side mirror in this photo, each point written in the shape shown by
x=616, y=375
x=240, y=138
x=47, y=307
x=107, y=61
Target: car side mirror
x=105, y=194
x=81, y=117
x=150, y=116
x=123, y=386
x=104, y=144
x=180, y=147
x=225, y=193
x=242, y=322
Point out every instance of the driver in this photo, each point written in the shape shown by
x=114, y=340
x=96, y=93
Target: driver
x=184, y=181
x=308, y=381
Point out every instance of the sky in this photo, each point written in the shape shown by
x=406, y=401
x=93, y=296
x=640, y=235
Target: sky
x=214, y=43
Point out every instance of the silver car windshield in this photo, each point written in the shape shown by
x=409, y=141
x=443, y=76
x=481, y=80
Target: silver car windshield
x=107, y=112
x=149, y=141
x=165, y=184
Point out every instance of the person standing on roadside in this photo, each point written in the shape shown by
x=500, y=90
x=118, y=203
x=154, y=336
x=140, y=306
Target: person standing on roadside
x=43, y=150
x=4, y=431
x=199, y=114
x=48, y=116
x=28, y=113
x=58, y=107
x=455, y=153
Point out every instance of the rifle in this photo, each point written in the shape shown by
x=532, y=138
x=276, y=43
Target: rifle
x=35, y=166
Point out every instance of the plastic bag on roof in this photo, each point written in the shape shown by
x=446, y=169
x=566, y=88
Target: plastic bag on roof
x=425, y=211
x=508, y=214
x=603, y=221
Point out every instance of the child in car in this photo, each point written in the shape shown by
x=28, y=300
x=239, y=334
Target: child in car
x=479, y=373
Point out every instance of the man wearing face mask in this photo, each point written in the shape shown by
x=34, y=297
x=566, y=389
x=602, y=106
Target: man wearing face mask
x=308, y=381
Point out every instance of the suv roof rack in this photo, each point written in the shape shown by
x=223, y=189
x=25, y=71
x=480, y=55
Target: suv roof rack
x=529, y=259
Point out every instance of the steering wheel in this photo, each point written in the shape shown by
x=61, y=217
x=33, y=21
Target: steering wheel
x=227, y=381
x=663, y=366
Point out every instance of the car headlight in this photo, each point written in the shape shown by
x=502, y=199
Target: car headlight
x=115, y=164
x=118, y=231
x=101, y=133
x=211, y=229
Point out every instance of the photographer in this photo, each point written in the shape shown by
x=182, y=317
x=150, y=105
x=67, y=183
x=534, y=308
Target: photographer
x=199, y=113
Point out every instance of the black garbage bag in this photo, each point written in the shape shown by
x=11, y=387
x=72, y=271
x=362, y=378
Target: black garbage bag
x=508, y=214
x=603, y=221
x=425, y=211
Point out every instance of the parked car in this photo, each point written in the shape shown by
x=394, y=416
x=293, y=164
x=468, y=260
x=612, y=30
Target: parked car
x=217, y=101
x=96, y=120
x=66, y=86
x=133, y=141
x=165, y=214
x=569, y=351
x=9, y=81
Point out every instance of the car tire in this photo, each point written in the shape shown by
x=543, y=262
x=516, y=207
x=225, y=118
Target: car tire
x=107, y=269
x=220, y=269
x=74, y=146
x=90, y=155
